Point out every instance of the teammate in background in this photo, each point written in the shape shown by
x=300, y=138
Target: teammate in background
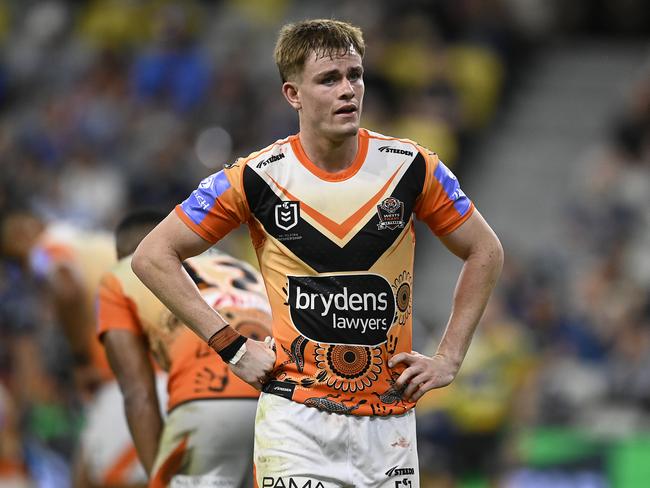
x=330, y=211
x=70, y=262
x=207, y=439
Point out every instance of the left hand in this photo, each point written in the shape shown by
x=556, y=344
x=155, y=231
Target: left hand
x=422, y=373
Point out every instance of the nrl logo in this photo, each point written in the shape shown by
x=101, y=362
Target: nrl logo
x=286, y=215
x=207, y=182
x=391, y=214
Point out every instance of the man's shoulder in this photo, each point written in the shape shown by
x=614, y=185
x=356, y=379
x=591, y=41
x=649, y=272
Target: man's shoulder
x=389, y=144
x=263, y=157
x=378, y=136
x=400, y=146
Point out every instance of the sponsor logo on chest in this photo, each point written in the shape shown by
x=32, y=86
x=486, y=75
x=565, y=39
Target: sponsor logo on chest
x=355, y=309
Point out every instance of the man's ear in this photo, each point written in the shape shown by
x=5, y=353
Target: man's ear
x=292, y=94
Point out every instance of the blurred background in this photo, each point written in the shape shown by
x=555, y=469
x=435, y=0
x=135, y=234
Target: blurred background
x=540, y=107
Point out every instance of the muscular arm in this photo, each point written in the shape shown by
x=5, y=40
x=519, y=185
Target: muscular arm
x=128, y=357
x=158, y=262
x=479, y=248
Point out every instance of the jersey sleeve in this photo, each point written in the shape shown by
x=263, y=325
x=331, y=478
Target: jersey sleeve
x=217, y=206
x=442, y=205
x=114, y=309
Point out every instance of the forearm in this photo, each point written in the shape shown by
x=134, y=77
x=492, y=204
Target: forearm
x=162, y=272
x=145, y=423
x=75, y=315
x=158, y=263
x=477, y=279
x=128, y=356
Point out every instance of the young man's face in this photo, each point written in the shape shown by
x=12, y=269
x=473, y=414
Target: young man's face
x=330, y=95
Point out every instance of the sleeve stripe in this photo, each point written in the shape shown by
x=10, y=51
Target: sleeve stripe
x=198, y=204
x=450, y=185
x=200, y=231
x=452, y=226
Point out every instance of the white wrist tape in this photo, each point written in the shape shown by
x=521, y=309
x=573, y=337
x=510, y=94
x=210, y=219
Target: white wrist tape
x=238, y=355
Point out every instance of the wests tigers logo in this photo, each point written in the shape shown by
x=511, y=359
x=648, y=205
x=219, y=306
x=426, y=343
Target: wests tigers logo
x=391, y=214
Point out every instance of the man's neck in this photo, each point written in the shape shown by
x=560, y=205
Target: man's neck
x=330, y=155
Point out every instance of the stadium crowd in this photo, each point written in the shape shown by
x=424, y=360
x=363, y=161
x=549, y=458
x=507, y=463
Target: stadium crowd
x=110, y=105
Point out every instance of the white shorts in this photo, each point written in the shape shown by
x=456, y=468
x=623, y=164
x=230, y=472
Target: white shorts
x=108, y=455
x=207, y=443
x=299, y=446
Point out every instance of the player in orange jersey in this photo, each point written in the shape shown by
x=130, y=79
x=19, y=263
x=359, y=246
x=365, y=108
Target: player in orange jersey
x=195, y=447
x=331, y=213
x=70, y=262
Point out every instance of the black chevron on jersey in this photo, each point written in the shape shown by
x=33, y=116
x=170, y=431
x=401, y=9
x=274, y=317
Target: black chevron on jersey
x=316, y=249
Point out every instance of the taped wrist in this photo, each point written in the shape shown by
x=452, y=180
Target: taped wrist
x=226, y=342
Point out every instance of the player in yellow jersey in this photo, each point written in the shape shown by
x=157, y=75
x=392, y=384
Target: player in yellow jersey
x=331, y=214
x=194, y=448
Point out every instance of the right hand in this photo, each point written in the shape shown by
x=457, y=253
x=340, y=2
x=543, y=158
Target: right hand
x=256, y=363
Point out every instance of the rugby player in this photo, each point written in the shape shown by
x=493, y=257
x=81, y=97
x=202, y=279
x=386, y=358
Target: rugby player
x=207, y=437
x=70, y=261
x=330, y=212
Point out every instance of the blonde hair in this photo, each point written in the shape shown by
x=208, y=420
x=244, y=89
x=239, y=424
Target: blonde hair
x=325, y=37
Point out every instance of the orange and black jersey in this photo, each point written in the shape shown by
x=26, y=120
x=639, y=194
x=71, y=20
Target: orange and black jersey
x=87, y=255
x=230, y=286
x=336, y=252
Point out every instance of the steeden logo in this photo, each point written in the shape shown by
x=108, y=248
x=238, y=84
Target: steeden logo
x=395, y=471
x=286, y=214
x=270, y=160
x=394, y=150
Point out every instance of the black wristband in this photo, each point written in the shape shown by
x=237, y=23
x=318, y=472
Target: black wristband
x=228, y=352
